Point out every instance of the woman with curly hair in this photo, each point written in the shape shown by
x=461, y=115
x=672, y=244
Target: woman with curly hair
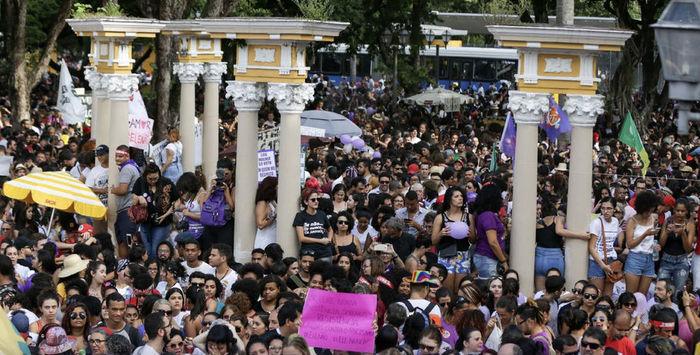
x=639, y=236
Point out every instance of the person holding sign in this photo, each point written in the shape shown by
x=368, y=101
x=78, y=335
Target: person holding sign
x=313, y=228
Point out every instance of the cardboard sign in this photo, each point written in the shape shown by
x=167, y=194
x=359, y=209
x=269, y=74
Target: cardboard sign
x=269, y=139
x=339, y=321
x=140, y=131
x=266, y=164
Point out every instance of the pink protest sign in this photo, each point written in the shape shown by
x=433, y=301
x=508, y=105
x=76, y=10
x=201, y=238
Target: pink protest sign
x=339, y=321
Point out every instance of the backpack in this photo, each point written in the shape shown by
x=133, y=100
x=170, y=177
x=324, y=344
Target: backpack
x=412, y=310
x=214, y=210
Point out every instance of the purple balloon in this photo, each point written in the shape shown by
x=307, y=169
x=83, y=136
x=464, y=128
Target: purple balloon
x=458, y=230
x=377, y=155
x=358, y=143
x=471, y=196
x=345, y=139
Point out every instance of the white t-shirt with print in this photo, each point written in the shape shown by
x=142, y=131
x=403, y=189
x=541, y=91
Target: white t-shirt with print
x=612, y=228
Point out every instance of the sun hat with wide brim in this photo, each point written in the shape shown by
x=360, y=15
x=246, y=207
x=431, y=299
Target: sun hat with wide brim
x=56, y=342
x=72, y=265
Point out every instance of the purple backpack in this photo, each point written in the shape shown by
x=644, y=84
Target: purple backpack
x=215, y=212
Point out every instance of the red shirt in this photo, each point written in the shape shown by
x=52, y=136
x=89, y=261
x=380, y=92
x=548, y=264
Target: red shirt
x=624, y=346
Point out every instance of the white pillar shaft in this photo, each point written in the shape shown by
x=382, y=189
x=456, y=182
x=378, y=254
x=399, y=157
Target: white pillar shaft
x=101, y=120
x=583, y=111
x=522, y=242
x=119, y=134
x=291, y=101
x=527, y=109
x=210, y=134
x=578, y=207
x=288, y=188
x=187, y=122
x=247, y=97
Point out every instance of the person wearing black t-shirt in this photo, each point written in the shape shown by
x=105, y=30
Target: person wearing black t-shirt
x=313, y=228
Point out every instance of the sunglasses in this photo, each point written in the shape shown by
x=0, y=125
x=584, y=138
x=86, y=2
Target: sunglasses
x=589, y=296
x=176, y=345
x=168, y=312
x=630, y=304
x=427, y=347
x=76, y=315
x=313, y=199
x=577, y=291
x=592, y=346
x=197, y=284
x=342, y=222
x=384, y=182
x=447, y=304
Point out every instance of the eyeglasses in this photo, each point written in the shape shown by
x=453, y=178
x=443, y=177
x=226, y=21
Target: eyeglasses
x=76, y=315
x=96, y=341
x=340, y=221
x=630, y=304
x=429, y=348
x=592, y=346
x=176, y=345
x=577, y=291
x=589, y=296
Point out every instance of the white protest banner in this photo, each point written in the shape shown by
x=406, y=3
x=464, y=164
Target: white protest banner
x=269, y=139
x=312, y=131
x=5, y=164
x=197, y=142
x=266, y=164
x=70, y=106
x=140, y=126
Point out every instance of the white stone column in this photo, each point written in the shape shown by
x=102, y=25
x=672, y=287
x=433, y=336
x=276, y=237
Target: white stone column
x=188, y=74
x=248, y=97
x=210, y=130
x=118, y=87
x=527, y=109
x=99, y=122
x=583, y=110
x=290, y=100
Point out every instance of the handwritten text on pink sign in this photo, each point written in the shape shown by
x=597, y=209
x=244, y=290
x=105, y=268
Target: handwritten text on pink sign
x=339, y=321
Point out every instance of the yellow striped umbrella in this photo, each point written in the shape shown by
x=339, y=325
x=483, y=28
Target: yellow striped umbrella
x=57, y=190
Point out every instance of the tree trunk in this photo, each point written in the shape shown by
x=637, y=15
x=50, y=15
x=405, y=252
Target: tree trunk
x=163, y=80
x=213, y=8
x=19, y=94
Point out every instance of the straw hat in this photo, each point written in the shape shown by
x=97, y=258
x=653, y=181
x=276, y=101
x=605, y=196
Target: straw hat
x=72, y=265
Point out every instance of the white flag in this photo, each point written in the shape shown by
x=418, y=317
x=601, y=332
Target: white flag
x=69, y=105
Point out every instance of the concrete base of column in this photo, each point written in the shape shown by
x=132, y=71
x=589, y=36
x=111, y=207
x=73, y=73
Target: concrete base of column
x=522, y=242
x=246, y=184
x=288, y=191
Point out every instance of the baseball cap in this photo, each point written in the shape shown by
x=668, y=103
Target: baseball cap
x=101, y=150
x=20, y=321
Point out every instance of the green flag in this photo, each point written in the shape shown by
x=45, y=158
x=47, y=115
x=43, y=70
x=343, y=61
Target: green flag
x=630, y=136
x=493, y=167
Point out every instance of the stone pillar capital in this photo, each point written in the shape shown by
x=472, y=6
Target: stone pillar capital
x=188, y=72
x=290, y=97
x=528, y=107
x=119, y=86
x=583, y=110
x=213, y=71
x=94, y=79
x=246, y=95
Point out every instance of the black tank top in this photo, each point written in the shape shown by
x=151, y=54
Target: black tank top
x=674, y=245
x=547, y=237
x=446, y=241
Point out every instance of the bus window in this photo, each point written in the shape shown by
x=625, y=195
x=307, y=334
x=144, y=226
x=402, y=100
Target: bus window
x=467, y=70
x=455, y=70
x=507, y=69
x=485, y=70
x=332, y=63
x=444, y=68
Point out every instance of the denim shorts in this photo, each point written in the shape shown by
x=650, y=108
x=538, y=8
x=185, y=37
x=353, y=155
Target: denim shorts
x=594, y=270
x=486, y=266
x=640, y=264
x=547, y=258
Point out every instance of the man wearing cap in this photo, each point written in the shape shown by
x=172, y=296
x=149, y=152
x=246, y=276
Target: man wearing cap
x=421, y=281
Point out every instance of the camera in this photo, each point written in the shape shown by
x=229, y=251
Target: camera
x=219, y=176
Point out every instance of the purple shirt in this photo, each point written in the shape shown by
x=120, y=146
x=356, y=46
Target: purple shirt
x=484, y=222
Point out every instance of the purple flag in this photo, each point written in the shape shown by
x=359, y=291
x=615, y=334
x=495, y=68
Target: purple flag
x=508, y=137
x=555, y=121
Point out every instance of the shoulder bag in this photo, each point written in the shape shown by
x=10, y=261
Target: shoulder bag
x=616, y=265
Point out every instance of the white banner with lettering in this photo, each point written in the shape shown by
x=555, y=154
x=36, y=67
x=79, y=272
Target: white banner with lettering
x=266, y=164
x=140, y=126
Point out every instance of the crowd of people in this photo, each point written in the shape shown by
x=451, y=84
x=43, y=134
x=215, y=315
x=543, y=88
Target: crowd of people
x=421, y=220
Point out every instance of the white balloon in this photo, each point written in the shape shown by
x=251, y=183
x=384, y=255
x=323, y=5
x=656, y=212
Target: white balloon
x=347, y=148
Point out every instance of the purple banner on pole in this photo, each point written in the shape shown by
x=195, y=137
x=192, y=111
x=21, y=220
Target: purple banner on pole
x=339, y=321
